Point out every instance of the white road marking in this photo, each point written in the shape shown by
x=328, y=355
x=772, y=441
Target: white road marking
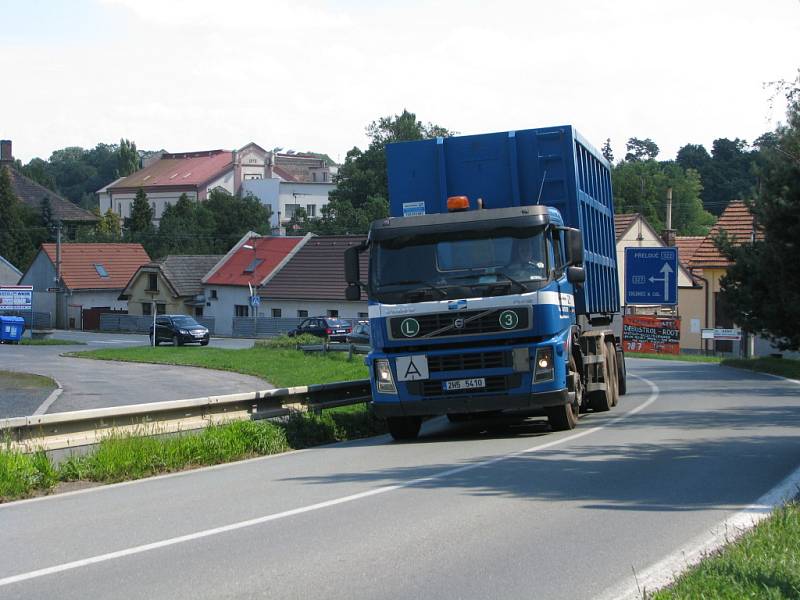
x=50, y=399
x=320, y=505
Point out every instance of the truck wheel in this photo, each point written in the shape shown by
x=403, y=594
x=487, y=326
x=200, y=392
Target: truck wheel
x=613, y=372
x=603, y=400
x=622, y=386
x=404, y=428
x=562, y=418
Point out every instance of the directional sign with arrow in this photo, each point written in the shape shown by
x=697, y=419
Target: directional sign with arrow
x=651, y=275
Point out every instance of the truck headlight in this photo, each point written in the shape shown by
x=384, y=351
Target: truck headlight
x=383, y=377
x=544, y=364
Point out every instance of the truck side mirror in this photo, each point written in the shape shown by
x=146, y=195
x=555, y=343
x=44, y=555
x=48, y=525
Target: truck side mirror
x=352, y=270
x=352, y=292
x=574, y=239
x=576, y=275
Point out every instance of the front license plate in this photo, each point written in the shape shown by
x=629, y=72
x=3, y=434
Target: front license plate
x=455, y=385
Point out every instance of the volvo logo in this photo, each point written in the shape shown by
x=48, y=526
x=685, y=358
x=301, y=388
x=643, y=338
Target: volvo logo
x=458, y=323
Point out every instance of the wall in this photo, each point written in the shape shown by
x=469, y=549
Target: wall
x=8, y=273
x=226, y=181
x=315, y=308
x=122, y=202
x=267, y=191
x=303, y=194
x=253, y=164
x=222, y=309
x=138, y=295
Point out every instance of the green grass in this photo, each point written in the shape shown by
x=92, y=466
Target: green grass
x=50, y=342
x=122, y=458
x=282, y=367
x=764, y=563
x=24, y=381
x=683, y=357
x=785, y=367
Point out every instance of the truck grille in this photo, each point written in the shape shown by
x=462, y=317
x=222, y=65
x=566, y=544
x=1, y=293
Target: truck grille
x=468, y=322
x=494, y=384
x=468, y=362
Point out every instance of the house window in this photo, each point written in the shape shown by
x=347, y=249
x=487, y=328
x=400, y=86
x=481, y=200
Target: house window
x=198, y=311
x=147, y=309
x=311, y=210
x=302, y=314
x=276, y=313
x=241, y=310
x=313, y=176
x=213, y=294
x=161, y=308
x=290, y=210
x=152, y=282
x=363, y=315
x=101, y=270
x=333, y=313
x=324, y=176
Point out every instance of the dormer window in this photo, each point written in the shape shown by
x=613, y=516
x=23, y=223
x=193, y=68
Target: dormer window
x=253, y=265
x=101, y=270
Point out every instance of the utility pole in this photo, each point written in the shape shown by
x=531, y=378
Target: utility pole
x=60, y=317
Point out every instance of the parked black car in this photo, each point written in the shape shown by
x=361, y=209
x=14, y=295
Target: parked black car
x=180, y=330
x=335, y=330
x=360, y=334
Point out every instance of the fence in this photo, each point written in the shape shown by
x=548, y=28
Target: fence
x=40, y=320
x=259, y=327
x=140, y=324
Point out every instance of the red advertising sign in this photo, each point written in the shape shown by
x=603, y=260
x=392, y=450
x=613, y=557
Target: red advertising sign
x=654, y=335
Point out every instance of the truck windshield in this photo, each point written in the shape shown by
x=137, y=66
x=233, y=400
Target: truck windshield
x=455, y=266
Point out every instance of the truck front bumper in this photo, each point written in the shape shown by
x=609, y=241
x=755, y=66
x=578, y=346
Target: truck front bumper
x=467, y=404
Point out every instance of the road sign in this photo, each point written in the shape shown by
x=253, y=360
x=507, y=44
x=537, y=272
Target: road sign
x=255, y=301
x=733, y=335
x=651, y=275
x=16, y=297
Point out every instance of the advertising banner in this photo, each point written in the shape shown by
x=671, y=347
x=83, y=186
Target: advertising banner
x=16, y=297
x=653, y=335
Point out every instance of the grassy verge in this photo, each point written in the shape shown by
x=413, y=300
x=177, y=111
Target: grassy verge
x=128, y=457
x=785, y=367
x=683, y=357
x=50, y=342
x=24, y=381
x=764, y=563
x=282, y=366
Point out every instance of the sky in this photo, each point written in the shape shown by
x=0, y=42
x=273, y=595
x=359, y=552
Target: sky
x=186, y=75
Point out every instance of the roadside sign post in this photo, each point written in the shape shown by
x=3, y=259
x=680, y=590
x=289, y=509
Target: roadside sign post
x=651, y=276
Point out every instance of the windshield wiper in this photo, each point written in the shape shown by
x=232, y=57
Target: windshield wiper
x=416, y=281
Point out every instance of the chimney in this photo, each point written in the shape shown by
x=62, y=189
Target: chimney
x=5, y=152
x=668, y=235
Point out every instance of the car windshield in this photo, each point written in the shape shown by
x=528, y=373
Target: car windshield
x=488, y=263
x=185, y=322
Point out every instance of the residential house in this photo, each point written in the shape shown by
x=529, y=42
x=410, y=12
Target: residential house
x=92, y=276
x=633, y=231
x=173, y=284
x=231, y=284
x=312, y=282
x=9, y=274
x=33, y=194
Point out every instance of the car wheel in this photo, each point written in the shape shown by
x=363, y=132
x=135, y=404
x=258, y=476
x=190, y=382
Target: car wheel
x=176, y=341
x=204, y=343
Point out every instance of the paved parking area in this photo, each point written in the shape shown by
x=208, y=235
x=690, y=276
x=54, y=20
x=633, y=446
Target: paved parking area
x=97, y=384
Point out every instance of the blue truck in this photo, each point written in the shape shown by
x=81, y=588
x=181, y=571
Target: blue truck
x=493, y=284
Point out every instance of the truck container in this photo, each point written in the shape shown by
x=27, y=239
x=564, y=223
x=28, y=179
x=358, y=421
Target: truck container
x=493, y=283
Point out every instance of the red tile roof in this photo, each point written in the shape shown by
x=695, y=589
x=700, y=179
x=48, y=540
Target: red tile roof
x=78, y=262
x=31, y=194
x=687, y=246
x=737, y=221
x=316, y=272
x=269, y=250
x=179, y=169
x=622, y=223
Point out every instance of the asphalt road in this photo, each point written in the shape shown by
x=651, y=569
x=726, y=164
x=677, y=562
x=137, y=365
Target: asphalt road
x=463, y=513
x=98, y=384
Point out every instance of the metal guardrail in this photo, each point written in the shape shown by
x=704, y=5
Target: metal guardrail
x=85, y=427
x=334, y=347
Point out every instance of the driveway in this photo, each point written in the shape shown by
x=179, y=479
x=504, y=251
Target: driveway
x=98, y=384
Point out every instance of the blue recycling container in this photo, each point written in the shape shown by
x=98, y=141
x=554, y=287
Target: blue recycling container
x=11, y=329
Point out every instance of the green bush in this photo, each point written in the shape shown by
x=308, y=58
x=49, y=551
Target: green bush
x=284, y=341
x=21, y=474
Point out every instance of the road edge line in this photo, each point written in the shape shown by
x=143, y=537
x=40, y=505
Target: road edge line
x=44, y=406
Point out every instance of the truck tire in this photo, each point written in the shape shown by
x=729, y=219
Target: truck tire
x=564, y=418
x=404, y=428
x=603, y=400
x=613, y=372
x=622, y=386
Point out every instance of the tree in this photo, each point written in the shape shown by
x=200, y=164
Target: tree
x=607, y=152
x=141, y=220
x=641, y=149
x=361, y=193
x=761, y=290
x=15, y=243
x=127, y=158
x=46, y=210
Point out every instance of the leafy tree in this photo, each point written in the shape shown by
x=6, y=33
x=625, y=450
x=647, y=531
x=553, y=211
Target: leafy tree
x=127, y=158
x=761, y=290
x=16, y=245
x=46, y=210
x=38, y=170
x=607, y=152
x=361, y=193
x=641, y=149
x=141, y=219
x=641, y=186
